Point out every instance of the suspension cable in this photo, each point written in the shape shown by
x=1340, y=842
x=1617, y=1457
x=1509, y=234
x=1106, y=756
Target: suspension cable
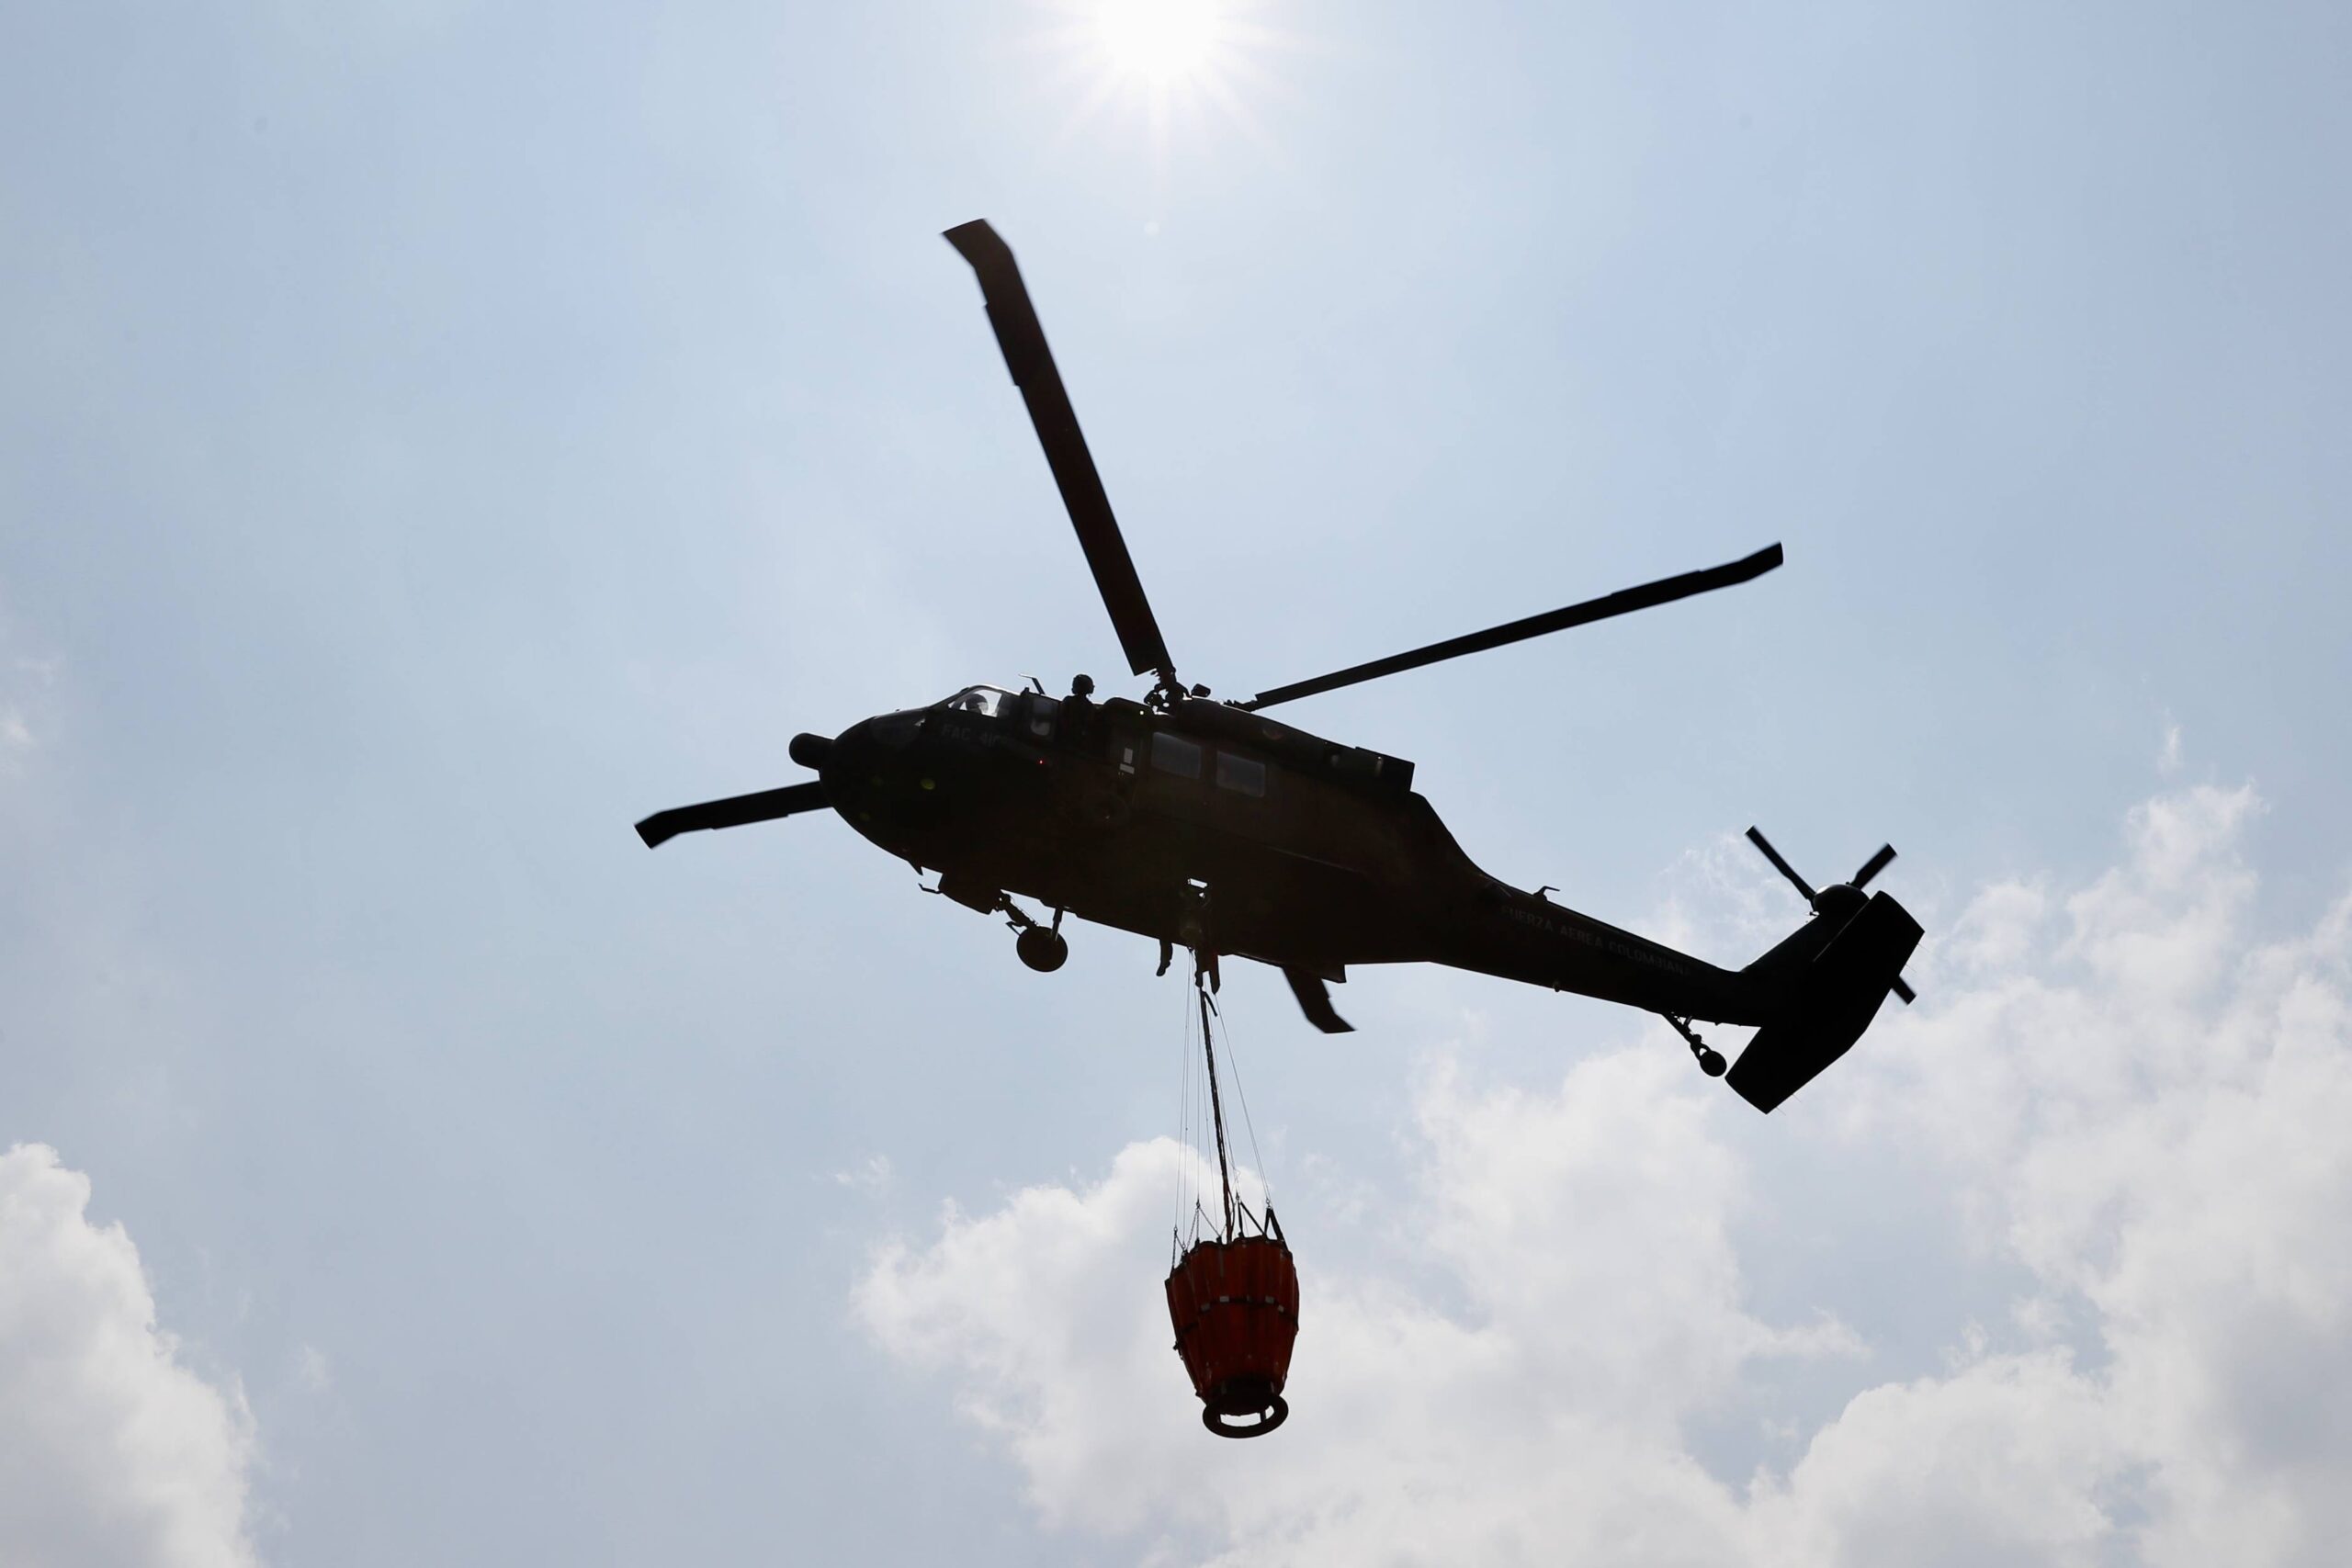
x=1183, y=1129
x=1216, y=1104
x=1233, y=1065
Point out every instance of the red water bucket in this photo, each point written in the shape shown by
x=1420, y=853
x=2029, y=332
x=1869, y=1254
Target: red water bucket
x=1235, y=1305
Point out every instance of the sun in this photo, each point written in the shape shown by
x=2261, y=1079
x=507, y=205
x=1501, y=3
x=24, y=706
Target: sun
x=1160, y=43
x=1176, y=65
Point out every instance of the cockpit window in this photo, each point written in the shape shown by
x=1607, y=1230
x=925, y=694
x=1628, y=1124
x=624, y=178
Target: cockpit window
x=985, y=701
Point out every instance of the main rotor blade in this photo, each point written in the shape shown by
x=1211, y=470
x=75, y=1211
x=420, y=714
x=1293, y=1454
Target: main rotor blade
x=1664, y=591
x=1785, y=869
x=732, y=812
x=1031, y=364
x=1873, y=865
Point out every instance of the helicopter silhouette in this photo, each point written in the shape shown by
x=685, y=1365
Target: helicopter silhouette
x=1206, y=825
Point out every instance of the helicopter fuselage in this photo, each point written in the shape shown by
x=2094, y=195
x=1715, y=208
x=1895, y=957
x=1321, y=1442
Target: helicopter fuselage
x=1207, y=827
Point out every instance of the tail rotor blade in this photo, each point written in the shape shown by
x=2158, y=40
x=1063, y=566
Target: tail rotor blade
x=1906, y=992
x=1873, y=865
x=1783, y=867
x=732, y=812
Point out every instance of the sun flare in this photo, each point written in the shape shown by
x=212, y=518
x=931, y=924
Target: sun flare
x=1181, y=68
x=1161, y=42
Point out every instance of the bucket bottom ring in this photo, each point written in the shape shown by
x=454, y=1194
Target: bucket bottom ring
x=1220, y=1421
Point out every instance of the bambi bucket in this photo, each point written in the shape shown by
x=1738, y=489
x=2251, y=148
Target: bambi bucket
x=1235, y=1307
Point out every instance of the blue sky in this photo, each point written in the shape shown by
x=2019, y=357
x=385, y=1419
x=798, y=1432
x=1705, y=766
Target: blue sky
x=436, y=435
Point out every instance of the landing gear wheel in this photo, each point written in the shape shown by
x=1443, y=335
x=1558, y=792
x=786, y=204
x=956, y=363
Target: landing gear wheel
x=1710, y=1061
x=1043, y=951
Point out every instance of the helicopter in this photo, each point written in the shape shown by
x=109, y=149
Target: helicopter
x=1209, y=825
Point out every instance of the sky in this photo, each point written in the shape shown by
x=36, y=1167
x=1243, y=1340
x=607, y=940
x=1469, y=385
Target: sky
x=436, y=434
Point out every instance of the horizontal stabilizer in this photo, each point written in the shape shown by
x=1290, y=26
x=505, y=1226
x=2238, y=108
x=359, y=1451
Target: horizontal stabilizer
x=1834, y=1002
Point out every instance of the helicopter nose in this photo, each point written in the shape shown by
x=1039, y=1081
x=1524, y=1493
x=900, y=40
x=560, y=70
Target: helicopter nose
x=865, y=765
x=875, y=780
x=847, y=757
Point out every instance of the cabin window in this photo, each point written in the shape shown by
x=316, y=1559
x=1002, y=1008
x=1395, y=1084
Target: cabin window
x=1041, y=716
x=1174, y=754
x=1242, y=775
x=1126, y=758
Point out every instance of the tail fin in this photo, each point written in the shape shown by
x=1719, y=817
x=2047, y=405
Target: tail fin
x=1839, y=975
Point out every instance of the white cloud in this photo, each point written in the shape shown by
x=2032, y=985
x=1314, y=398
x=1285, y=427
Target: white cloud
x=25, y=686
x=870, y=1175
x=112, y=1451
x=2005, y=1460
x=2136, y=1106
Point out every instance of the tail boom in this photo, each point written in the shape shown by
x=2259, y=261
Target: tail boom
x=1521, y=936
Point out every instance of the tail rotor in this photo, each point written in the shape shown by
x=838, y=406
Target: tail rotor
x=1845, y=893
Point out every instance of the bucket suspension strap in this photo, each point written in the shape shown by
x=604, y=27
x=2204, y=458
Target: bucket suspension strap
x=1216, y=1104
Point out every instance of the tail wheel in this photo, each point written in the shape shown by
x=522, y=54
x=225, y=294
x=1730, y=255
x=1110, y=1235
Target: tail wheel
x=1710, y=1061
